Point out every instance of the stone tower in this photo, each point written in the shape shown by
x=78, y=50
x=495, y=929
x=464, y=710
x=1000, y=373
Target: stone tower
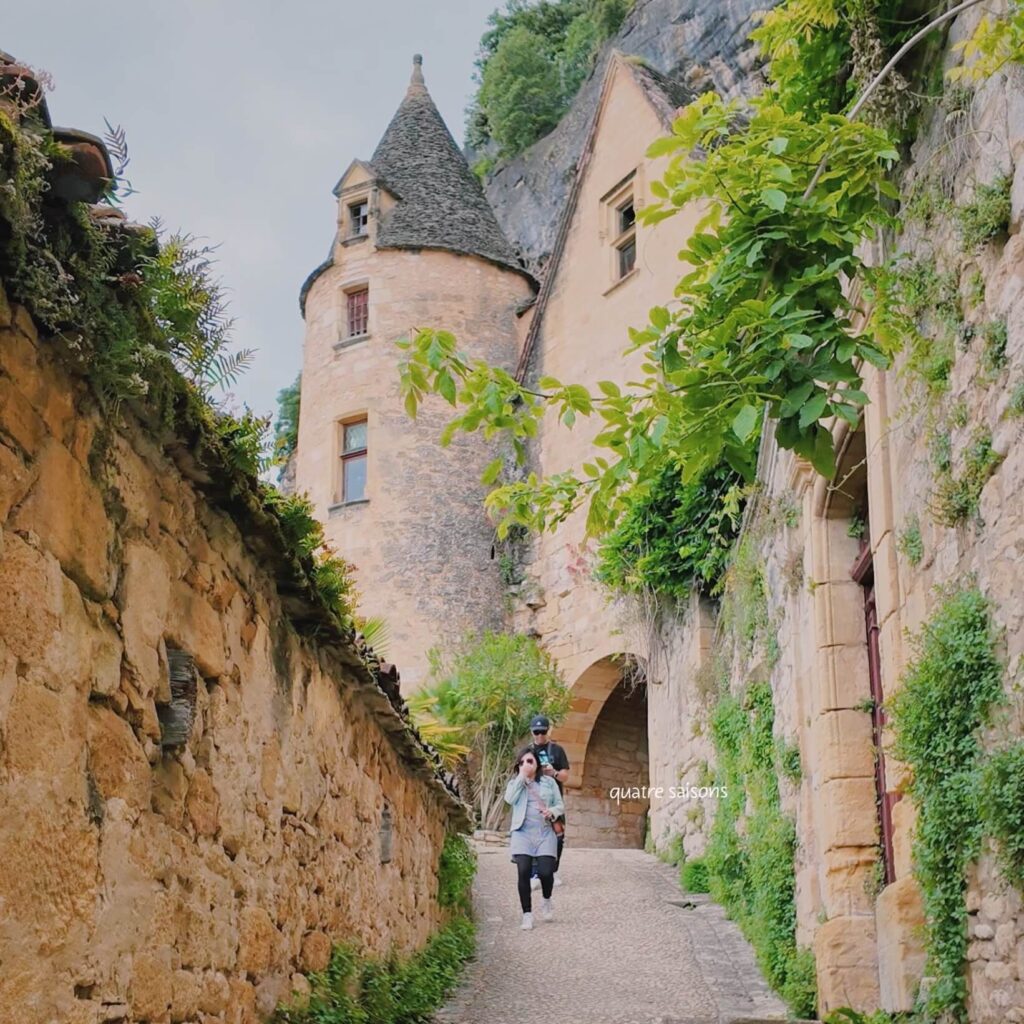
x=417, y=245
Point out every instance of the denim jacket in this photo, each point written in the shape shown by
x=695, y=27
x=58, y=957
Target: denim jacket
x=517, y=795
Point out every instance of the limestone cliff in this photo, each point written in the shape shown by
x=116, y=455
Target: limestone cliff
x=695, y=43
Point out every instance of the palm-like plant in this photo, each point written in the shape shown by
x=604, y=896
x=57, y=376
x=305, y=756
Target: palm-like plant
x=486, y=694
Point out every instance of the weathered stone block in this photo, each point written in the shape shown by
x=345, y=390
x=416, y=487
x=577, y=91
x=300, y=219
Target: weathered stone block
x=214, y=993
x=65, y=509
x=19, y=421
x=116, y=760
x=257, y=940
x=145, y=597
x=847, y=813
x=196, y=627
x=52, y=899
x=847, y=875
x=30, y=599
x=15, y=480
x=186, y=994
x=152, y=985
x=202, y=804
x=170, y=787
x=843, y=746
x=899, y=921
x=846, y=957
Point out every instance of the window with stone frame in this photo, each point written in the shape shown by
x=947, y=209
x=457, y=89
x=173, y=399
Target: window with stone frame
x=353, y=454
x=619, y=227
x=357, y=312
x=358, y=218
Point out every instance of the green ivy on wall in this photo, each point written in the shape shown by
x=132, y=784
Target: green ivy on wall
x=1002, y=809
x=676, y=535
x=947, y=694
x=750, y=853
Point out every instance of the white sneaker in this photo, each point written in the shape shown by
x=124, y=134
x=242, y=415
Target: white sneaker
x=535, y=882
x=558, y=881
x=547, y=911
x=527, y=922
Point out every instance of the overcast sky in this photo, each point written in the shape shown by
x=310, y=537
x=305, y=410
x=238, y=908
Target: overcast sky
x=240, y=117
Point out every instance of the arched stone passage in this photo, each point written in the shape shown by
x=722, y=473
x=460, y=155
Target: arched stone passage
x=605, y=738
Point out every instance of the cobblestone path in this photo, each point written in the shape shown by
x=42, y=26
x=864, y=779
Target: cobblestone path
x=621, y=950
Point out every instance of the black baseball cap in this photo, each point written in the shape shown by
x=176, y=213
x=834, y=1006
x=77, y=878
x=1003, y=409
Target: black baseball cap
x=540, y=723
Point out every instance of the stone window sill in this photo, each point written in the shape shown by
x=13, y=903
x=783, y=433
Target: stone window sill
x=354, y=239
x=339, y=507
x=358, y=339
x=622, y=280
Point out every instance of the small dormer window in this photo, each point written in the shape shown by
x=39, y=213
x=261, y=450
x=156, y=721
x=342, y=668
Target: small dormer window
x=359, y=214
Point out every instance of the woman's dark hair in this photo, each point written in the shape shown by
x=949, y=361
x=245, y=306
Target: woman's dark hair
x=528, y=752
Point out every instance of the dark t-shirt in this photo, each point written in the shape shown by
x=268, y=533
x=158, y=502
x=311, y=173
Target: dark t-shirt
x=551, y=753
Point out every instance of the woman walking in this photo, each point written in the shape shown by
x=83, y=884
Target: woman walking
x=536, y=804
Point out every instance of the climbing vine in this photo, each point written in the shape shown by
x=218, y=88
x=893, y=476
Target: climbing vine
x=1002, y=806
x=948, y=693
x=750, y=854
x=676, y=536
x=455, y=872
x=760, y=322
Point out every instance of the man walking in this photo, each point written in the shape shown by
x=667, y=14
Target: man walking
x=554, y=763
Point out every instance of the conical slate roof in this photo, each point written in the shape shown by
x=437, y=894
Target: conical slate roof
x=440, y=202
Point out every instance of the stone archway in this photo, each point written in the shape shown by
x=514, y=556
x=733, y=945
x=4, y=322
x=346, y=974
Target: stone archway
x=605, y=738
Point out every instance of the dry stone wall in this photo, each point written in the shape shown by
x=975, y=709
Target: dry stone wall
x=142, y=882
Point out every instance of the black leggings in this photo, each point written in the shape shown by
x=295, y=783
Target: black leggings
x=545, y=871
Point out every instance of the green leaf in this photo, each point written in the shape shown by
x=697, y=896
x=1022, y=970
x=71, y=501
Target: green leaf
x=811, y=411
x=491, y=473
x=799, y=341
x=778, y=145
x=446, y=387
x=744, y=422
x=610, y=388
x=660, y=317
x=660, y=147
x=823, y=458
x=795, y=399
x=774, y=198
x=670, y=358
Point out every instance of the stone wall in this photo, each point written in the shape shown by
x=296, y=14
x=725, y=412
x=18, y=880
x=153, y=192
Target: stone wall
x=806, y=534
x=144, y=882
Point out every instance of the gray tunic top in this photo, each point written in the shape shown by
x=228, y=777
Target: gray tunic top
x=535, y=837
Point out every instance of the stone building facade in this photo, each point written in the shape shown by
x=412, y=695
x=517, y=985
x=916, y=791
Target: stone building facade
x=196, y=802
x=842, y=594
